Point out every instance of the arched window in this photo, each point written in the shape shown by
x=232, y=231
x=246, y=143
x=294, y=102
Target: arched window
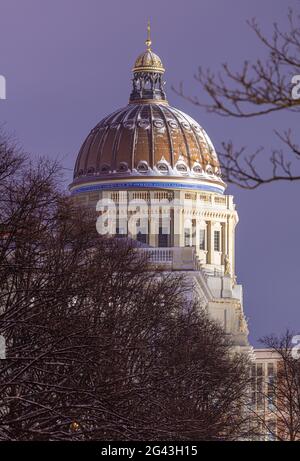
x=197, y=169
x=105, y=168
x=123, y=167
x=91, y=170
x=142, y=167
x=162, y=167
x=181, y=167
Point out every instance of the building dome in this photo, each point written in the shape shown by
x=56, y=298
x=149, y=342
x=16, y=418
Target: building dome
x=148, y=62
x=147, y=139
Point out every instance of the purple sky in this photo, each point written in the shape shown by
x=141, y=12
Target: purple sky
x=67, y=64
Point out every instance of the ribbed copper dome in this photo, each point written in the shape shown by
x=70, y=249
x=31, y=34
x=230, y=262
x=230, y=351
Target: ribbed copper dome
x=143, y=137
x=147, y=138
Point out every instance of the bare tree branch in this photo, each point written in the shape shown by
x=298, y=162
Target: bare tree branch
x=259, y=88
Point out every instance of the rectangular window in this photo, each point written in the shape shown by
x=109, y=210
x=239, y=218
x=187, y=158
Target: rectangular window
x=260, y=393
x=187, y=238
x=120, y=232
x=270, y=386
x=271, y=432
x=259, y=369
x=217, y=241
x=163, y=238
x=202, y=243
x=270, y=369
x=143, y=238
x=260, y=385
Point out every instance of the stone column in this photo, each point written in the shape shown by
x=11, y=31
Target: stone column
x=178, y=226
x=153, y=227
x=210, y=242
x=194, y=232
x=224, y=242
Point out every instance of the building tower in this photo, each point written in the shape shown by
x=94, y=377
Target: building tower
x=149, y=153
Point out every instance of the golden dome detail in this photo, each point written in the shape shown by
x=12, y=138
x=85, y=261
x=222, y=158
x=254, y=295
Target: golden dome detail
x=147, y=133
x=148, y=61
x=148, y=42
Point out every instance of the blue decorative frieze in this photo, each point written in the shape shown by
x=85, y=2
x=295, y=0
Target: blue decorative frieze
x=145, y=185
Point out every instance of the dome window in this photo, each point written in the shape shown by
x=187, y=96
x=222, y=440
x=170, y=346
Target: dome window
x=197, y=169
x=186, y=126
x=173, y=124
x=144, y=124
x=129, y=124
x=158, y=123
x=91, y=171
x=181, y=167
x=105, y=169
x=80, y=173
x=142, y=167
x=163, y=167
x=123, y=167
x=209, y=170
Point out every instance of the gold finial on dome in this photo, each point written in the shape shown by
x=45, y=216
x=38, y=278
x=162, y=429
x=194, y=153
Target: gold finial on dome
x=148, y=61
x=148, y=41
